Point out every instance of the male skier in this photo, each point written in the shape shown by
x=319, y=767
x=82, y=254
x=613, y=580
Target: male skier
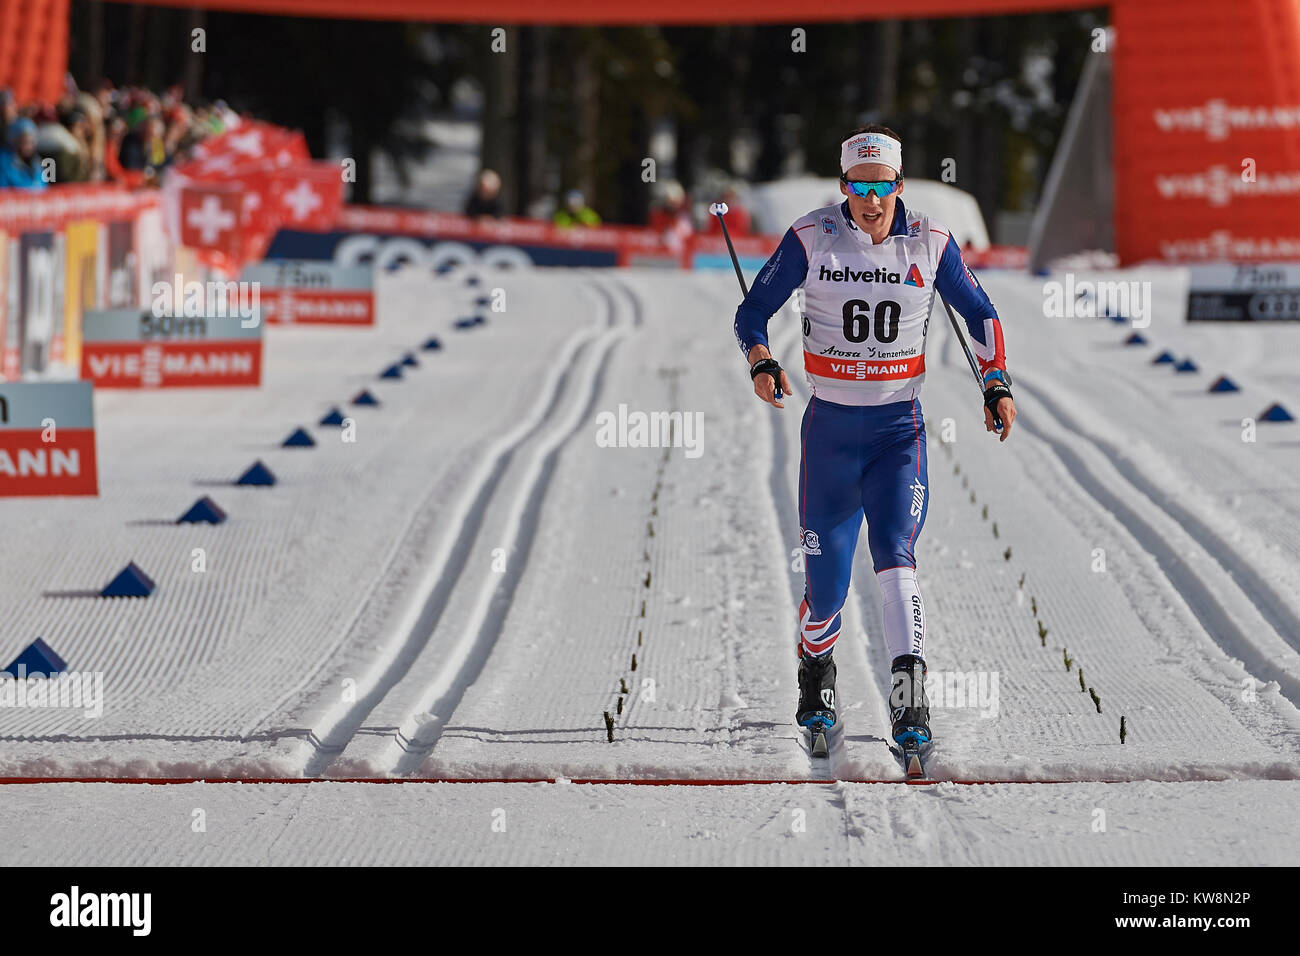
x=869, y=268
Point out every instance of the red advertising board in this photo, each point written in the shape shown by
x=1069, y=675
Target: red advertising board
x=129, y=348
x=47, y=439
x=313, y=293
x=320, y=306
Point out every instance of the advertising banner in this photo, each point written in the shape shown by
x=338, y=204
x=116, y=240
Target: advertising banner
x=47, y=439
x=133, y=348
x=321, y=293
x=1244, y=292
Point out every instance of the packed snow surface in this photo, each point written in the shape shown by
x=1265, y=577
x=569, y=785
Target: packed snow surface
x=466, y=590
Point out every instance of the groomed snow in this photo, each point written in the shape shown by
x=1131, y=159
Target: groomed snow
x=460, y=593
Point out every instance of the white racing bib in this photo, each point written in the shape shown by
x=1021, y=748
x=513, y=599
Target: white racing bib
x=866, y=307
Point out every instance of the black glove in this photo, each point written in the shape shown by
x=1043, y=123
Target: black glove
x=773, y=368
x=994, y=392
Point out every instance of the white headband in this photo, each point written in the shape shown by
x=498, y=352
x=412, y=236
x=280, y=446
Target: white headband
x=871, y=148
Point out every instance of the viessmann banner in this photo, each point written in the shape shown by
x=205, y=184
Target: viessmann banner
x=133, y=348
x=47, y=439
x=1207, y=130
x=313, y=293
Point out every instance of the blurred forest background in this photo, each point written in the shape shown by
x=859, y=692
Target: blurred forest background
x=582, y=107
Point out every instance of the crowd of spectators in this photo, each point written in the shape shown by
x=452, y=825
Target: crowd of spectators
x=126, y=135
x=130, y=135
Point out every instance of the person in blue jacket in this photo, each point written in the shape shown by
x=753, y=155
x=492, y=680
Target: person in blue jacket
x=20, y=166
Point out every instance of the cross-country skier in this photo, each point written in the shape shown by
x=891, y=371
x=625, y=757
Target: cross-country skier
x=869, y=268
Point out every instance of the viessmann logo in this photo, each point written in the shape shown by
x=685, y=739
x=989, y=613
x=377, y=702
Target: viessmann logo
x=853, y=275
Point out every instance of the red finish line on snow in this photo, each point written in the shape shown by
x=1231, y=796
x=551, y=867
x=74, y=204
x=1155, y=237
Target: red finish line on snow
x=581, y=781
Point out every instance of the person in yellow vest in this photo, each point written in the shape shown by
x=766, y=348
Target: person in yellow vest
x=575, y=211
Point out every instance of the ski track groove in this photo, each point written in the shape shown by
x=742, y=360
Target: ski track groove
x=329, y=742
x=1270, y=604
x=460, y=672
x=1197, y=594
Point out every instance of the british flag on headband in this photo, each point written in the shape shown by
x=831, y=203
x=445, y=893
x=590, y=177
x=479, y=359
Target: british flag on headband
x=868, y=151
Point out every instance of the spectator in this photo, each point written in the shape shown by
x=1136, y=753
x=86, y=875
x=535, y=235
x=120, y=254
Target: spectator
x=56, y=139
x=485, y=200
x=20, y=165
x=8, y=108
x=126, y=136
x=575, y=211
x=671, y=217
x=143, y=147
x=89, y=107
x=739, y=222
x=113, y=167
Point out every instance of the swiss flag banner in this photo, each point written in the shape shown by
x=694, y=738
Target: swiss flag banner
x=308, y=195
x=250, y=141
x=211, y=216
x=260, y=174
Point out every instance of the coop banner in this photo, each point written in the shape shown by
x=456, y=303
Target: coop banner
x=1244, y=292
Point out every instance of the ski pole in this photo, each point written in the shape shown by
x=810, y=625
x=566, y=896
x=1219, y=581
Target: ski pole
x=974, y=367
x=720, y=210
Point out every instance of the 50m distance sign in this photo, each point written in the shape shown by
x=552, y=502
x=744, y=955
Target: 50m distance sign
x=133, y=348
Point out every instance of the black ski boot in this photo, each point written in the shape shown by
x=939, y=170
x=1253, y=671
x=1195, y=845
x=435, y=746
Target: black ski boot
x=816, y=692
x=909, y=708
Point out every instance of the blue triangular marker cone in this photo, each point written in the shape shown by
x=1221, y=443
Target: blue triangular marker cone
x=1186, y=365
x=130, y=582
x=1164, y=358
x=203, y=511
x=1276, y=413
x=466, y=323
x=1224, y=384
x=365, y=398
x=431, y=345
x=299, y=439
x=335, y=417
x=37, y=658
x=410, y=360
x=257, y=474
x=1135, y=339
x=393, y=371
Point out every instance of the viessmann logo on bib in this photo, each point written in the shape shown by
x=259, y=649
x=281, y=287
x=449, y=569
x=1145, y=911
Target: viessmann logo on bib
x=862, y=371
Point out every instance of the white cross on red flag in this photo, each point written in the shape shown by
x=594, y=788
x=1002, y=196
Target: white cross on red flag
x=245, y=184
x=310, y=195
x=210, y=217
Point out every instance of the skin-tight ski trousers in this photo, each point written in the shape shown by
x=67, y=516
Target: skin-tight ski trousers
x=861, y=461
